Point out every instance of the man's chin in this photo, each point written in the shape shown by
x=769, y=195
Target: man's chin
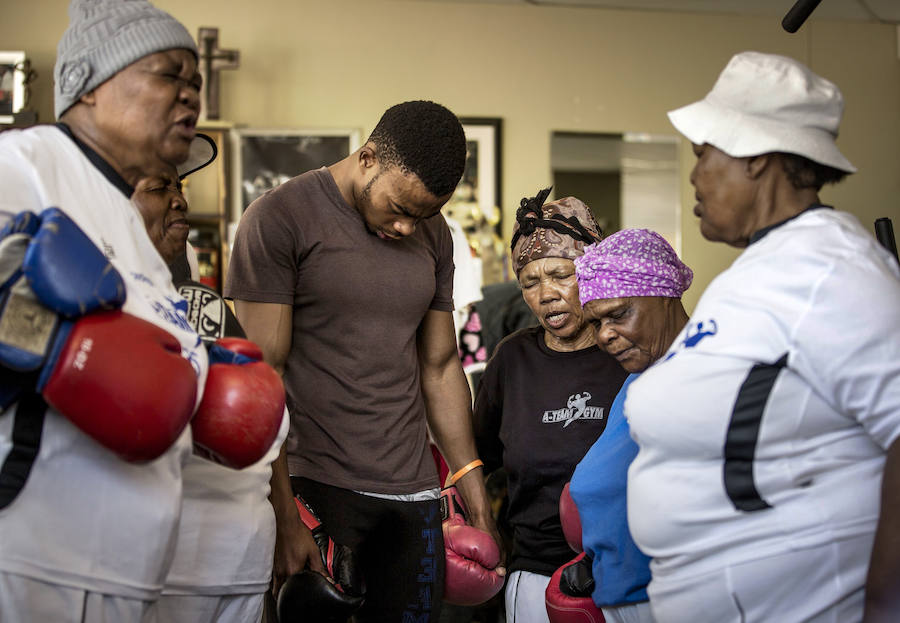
x=380, y=234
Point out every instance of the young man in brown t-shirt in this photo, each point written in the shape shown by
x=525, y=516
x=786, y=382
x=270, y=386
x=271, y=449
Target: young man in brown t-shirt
x=343, y=276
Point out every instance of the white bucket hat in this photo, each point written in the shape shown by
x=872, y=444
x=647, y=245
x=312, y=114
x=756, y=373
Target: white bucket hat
x=763, y=103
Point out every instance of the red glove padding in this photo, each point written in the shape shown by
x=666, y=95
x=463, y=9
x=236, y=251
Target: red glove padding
x=441, y=465
x=242, y=407
x=571, y=522
x=122, y=381
x=471, y=556
x=568, y=595
x=309, y=596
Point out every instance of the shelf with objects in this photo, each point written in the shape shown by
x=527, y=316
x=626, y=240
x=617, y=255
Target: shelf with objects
x=206, y=192
x=16, y=77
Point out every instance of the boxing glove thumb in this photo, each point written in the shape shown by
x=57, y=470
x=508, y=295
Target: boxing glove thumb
x=568, y=595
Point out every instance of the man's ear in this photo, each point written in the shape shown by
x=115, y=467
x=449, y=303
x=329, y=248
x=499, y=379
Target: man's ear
x=367, y=156
x=757, y=165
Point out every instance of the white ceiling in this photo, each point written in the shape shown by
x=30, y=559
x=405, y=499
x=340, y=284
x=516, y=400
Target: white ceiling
x=887, y=11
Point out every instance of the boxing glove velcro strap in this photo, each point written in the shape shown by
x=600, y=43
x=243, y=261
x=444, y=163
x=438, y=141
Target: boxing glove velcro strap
x=28, y=329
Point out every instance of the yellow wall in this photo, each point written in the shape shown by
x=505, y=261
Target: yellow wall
x=340, y=63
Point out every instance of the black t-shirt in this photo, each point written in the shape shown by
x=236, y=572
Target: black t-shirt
x=537, y=412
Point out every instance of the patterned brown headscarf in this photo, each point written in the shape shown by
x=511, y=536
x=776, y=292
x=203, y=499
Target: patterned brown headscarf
x=561, y=228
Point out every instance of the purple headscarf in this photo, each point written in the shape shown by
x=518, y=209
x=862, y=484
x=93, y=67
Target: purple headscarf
x=631, y=262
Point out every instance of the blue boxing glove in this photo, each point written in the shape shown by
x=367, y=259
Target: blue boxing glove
x=50, y=272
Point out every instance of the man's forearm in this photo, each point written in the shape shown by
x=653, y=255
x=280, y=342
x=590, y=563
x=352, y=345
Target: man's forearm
x=448, y=406
x=281, y=494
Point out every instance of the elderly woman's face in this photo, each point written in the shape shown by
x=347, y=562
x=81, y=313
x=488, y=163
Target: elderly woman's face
x=159, y=200
x=633, y=330
x=550, y=288
x=151, y=106
x=724, y=195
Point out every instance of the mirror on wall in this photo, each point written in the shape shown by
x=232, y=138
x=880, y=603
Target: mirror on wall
x=628, y=180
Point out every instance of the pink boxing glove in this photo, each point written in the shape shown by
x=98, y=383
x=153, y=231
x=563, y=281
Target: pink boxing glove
x=242, y=407
x=471, y=555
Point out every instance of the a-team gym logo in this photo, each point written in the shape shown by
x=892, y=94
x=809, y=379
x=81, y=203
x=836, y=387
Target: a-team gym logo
x=576, y=409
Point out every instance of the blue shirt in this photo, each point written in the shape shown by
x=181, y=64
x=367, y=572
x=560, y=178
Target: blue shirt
x=621, y=571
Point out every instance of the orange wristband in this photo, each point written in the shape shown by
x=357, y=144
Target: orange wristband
x=465, y=470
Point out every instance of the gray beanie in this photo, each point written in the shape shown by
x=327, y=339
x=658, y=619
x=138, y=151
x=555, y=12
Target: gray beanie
x=104, y=37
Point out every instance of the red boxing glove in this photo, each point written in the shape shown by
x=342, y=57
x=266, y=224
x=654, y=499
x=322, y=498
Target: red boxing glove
x=568, y=595
x=471, y=556
x=122, y=381
x=570, y=520
x=242, y=407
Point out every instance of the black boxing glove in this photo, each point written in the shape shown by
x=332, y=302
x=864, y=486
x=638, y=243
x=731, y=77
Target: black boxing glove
x=309, y=595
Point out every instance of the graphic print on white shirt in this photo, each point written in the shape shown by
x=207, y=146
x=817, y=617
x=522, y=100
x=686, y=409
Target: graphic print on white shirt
x=694, y=333
x=576, y=409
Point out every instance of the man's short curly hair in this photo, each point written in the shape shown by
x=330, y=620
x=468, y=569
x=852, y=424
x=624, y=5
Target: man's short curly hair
x=423, y=138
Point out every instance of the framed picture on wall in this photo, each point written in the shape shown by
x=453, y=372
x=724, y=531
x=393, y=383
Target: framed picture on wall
x=477, y=204
x=12, y=85
x=478, y=195
x=265, y=158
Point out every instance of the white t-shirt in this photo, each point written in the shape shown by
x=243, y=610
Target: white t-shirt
x=805, y=440
x=226, y=539
x=86, y=518
x=466, y=274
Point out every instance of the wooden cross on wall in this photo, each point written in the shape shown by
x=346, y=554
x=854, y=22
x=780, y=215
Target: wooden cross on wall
x=212, y=60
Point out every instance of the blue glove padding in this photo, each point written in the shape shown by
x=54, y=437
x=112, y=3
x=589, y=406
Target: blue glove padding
x=49, y=271
x=218, y=354
x=67, y=272
x=14, y=240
